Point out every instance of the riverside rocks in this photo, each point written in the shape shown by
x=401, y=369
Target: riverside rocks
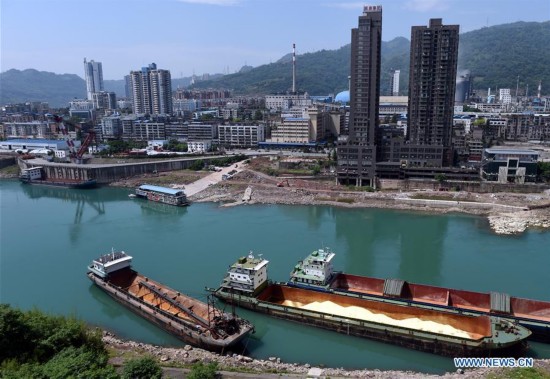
x=189, y=355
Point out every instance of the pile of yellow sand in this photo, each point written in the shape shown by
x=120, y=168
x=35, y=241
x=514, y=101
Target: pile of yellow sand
x=366, y=315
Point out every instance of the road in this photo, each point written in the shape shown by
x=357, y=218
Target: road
x=214, y=178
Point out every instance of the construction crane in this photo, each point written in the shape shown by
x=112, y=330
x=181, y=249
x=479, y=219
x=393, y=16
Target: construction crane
x=74, y=155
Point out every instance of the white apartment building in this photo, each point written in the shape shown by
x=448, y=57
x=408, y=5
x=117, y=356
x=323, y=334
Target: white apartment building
x=284, y=102
x=241, y=135
x=293, y=130
x=504, y=96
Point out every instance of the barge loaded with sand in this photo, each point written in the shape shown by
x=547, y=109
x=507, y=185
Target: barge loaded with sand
x=316, y=272
x=246, y=284
x=192, y=321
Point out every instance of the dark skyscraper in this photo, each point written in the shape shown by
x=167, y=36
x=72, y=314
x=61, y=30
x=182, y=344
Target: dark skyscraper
x=432, y=83
x=357, y=155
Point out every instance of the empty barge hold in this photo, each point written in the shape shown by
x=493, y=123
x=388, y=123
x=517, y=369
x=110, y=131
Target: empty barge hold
x=422, y=329
x=189, y=319
x=316, y=272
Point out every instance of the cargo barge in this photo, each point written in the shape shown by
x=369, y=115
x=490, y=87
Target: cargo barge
x=34, y=175
x=316, y=272
x=192, y=321
x=434, y=331
x=162, y=195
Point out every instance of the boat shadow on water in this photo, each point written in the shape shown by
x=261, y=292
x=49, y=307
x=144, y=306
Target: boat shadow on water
x=152, y=208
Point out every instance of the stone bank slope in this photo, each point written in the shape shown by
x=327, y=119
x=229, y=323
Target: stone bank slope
x=508, y=212
x=231, y=364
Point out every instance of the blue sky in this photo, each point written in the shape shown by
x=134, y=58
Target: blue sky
x=214, y=36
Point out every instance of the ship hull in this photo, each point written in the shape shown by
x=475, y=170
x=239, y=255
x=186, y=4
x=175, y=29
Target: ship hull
x=273, y=300
x=88, y=184
x=185, y=331
x=531, y=314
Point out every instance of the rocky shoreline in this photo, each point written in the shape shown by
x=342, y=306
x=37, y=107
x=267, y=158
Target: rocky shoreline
x=186, y=356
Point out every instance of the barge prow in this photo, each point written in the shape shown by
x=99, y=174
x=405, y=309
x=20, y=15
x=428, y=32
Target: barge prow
x=192, y=321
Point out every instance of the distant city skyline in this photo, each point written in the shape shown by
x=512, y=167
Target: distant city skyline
x=214, y=36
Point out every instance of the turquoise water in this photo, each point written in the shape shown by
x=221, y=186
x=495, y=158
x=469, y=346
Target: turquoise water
x=50, y=235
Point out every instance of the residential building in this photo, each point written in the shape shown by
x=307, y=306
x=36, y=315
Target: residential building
x=81, y=108
x=287, y=101
x=145, y=130
x=394, y=84
x=357, y=153
x=151, y=90
x=292, y=130
x=111, y=127
x=197, y=131
x=93, y=74
x=32, y=129
x=104, y=100
x=199, y=146
x=432, y=84
x=504, y=96
x=241, y=135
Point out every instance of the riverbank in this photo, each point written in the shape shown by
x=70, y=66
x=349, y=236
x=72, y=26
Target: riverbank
x=231, y=364
x=507, y=213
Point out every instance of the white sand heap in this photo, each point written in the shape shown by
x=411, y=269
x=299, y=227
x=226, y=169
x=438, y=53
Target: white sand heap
x=366, y=315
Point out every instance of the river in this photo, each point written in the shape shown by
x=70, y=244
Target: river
x=49, y=236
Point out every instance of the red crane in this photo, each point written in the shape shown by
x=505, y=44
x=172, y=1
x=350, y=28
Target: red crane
x=75, y=155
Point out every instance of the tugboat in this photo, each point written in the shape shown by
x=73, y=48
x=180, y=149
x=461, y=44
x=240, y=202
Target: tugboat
x=194, y=322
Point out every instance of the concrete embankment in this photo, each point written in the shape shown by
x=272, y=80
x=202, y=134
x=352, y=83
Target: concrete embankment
x=108, y=173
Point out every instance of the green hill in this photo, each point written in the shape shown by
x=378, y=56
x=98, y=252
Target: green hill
x=495, y=56
x=498, y=54
x=32, y=85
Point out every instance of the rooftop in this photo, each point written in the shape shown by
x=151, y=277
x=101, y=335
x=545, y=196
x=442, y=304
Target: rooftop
x=169, y=191
x=250, y=262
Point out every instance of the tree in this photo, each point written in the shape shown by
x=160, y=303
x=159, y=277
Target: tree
x=441, y=178
x=142, y=368
x=543, y=171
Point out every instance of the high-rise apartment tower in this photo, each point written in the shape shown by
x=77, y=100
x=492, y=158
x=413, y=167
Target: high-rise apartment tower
x=93, y=73
x=151, y=90
x=432, y=83
x=394, y=87
x=357, y=155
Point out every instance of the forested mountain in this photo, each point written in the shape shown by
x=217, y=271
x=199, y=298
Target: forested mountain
x=498, y=54
x=32, y=85
x=495, y=56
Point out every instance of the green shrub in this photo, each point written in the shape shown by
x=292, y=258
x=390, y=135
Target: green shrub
x=142, y=368
x=203, y=371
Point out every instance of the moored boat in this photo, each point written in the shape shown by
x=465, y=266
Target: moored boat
x=34, y=175
x=162, y=195
x=428, y=330
x=194, y=322
x=316, y=272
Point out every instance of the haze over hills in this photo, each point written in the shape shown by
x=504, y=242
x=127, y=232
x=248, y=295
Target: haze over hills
x=495, y=55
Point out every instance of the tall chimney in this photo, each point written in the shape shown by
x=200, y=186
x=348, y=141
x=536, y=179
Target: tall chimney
x=293, y=68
